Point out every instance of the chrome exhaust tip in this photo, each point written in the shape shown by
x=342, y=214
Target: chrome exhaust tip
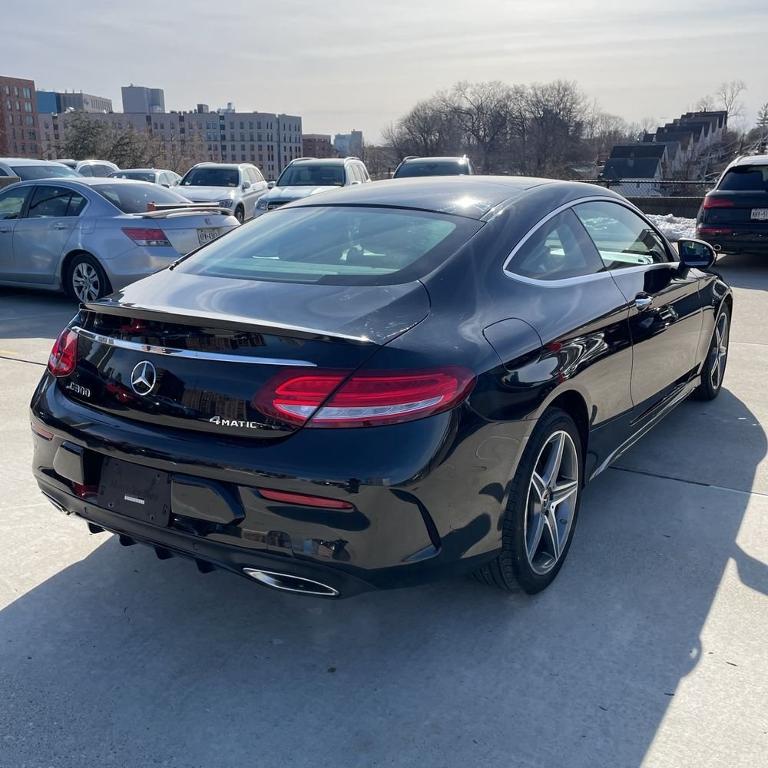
x=718, y=247
x=288, y=583
x=56, y=504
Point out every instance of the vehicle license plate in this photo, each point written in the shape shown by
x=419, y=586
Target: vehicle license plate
x=206, y=235
x=760, y=214
x=139, y=492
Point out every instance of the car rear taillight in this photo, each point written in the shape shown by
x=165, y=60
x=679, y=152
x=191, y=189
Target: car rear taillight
x=63, y=357
x=149, y=236
x=705, y=230
x=717, y=202
x=302, y=499
x=336, y=399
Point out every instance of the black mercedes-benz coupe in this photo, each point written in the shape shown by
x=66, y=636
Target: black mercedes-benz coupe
x=381, y=385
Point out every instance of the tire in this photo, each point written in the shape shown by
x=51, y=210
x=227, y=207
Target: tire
x=713, y=370
x=240, y=214
x=532, y=510
x=85, y=279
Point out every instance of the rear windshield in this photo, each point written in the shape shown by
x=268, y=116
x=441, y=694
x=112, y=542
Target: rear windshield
x=431, y=169
x=134, y=175
x=335, y=245
x=746, y=178
x=135, y=198
x=211, y=177
x=33, y=172
x=331, y=175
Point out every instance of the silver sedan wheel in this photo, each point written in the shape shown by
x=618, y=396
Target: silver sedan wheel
x=86, y=282
x=720, y=347
x=552, y=496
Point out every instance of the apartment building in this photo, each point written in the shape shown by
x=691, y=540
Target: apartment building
x=265, y=139
x=317, y=145
x=18, y=118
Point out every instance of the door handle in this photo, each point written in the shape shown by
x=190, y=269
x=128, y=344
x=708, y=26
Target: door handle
x=61, y=225
x=643, y=301
x=5, y=229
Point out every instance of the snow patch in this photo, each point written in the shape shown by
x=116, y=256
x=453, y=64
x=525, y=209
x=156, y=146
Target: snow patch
x=674, y=227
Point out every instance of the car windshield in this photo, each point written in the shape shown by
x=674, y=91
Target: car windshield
x=335, y=245
x=211, y=177
x=50, y=171
x=136, y=198
x=305, y=175
x=134, y=175
x=746, y=178
x=440, y=168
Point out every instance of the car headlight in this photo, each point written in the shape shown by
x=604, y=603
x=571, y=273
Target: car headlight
x=226, y=203
x=261, y=204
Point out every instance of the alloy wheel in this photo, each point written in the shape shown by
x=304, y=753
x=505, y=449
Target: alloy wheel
x=552, y=499
x=86, y=282
x=720, y=348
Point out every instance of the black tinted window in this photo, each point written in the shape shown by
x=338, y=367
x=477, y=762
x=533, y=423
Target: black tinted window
x=746, y=178
x=334, y=244
x=134, y=175
x=416, y=168
x=54, y=202
x=211, y=177
x=34, y=172
x=623, y=238
x=557, y=250
x=136, y=197
x=305, y=175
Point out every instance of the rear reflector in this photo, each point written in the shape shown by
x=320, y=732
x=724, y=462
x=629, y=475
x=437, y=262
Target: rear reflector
x=718, y=202
x=338, y=399
x=148, y=236
x=713, y=231
x=303, y=499
x=41, y=432
x=63, y=357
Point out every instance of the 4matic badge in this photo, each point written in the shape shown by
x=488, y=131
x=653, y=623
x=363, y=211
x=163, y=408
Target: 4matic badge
x=219, y=422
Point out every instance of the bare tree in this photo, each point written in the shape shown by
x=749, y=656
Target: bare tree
x=728, y=94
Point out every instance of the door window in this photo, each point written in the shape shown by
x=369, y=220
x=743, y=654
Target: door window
x=11, y=203
x=54, y=202
x=623, y=238
x=559, y=249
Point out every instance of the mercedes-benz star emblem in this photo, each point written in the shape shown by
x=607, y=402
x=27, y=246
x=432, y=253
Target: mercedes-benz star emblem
x=143, y=378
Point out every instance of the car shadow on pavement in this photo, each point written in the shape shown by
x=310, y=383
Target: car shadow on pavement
x=122, y=659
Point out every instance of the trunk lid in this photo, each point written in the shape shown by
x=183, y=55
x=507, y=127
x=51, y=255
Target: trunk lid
x=193, y=352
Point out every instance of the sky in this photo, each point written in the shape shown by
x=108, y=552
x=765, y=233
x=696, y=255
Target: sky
x=347, y=64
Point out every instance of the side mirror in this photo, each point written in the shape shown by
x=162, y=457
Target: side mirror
x=246, y=185
x=270, y=184
x=696, y=254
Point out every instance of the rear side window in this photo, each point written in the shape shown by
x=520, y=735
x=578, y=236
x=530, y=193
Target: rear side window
x=557, y=250
x=137, y=196
x=623, y=238
x=54, y=202
x=442, y=168
x=336, y=245
x=745, y=178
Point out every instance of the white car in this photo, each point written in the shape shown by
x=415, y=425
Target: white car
x=27, y=169
x=308, y=175
x=236, y=186
x=154, y=175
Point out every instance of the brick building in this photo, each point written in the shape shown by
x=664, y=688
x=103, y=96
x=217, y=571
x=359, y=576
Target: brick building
x=18, y=118
x=317, y=145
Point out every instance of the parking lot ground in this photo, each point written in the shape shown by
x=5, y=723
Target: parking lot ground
x=650, y=648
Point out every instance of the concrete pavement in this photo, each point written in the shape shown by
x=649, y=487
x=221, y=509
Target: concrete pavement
x=650, y=649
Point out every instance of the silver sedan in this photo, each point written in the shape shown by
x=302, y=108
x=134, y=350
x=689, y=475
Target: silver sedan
x=92, y=236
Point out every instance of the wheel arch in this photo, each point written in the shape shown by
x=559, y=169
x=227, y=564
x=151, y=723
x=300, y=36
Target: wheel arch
x=67, y=260
x=575, y=405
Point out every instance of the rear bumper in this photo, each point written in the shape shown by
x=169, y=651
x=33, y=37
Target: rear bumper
x=737, y=242
x=416, y=515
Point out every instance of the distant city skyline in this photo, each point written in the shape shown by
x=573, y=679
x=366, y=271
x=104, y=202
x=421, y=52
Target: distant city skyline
x=359, y=65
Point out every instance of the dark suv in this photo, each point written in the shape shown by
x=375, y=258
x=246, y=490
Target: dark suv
x=734, y=216
x=433, y=166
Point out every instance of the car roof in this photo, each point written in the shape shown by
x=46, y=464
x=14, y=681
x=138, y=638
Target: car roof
x=463, y=159
x=323, y=160
x=139, y=170
x=28, y=161
x=750, y=160
x=471, y=196
x=87, y=181
x=221, y=165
